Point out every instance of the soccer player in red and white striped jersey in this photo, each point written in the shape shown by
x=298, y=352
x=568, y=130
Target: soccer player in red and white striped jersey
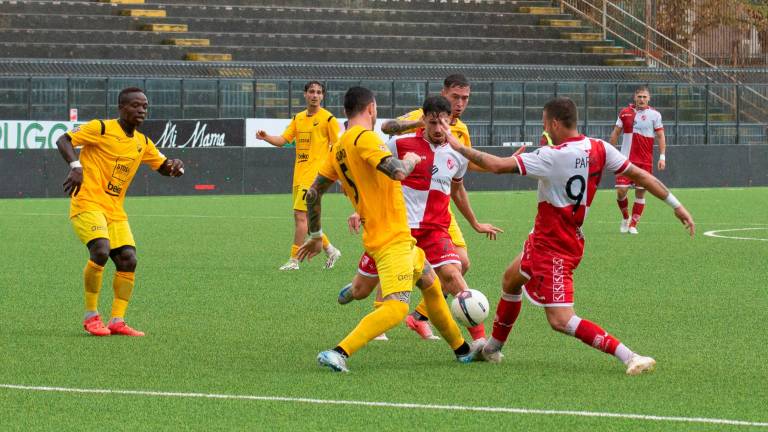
x=568, y=174
x=638, y=124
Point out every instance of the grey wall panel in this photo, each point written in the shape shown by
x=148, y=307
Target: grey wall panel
x=220, y=168
x=268, y=170
x=758, y=165
x=22, y=174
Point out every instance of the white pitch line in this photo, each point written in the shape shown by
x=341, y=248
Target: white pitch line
x=437, y=407
x=716, y=235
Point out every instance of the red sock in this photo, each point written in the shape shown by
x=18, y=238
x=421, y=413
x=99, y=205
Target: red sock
x=477, y=332
x=637, y=211
x=591, y=334
x=506, y=314
x=624, y=207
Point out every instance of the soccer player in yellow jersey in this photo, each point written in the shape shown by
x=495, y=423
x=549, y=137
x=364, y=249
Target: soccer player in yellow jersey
x=370, y=176
x=112, y=151
x=456, y=89
x=314, y=130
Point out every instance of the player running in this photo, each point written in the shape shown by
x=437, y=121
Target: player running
x=428, y=191
x=370, y=176
x=568, y=175
x=314, y=130
x=638, y=123
x=112, y=151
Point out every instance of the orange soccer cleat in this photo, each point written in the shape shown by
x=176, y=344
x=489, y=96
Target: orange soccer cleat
x=94, y=326
x=121, y=328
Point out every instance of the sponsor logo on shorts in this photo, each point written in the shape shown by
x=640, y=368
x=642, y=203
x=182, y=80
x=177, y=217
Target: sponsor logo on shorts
x=98, y=228
x=405, y=276
x=558, y=286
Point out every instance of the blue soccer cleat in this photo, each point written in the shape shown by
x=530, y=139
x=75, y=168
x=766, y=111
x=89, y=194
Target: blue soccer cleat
x=345, y=295
x=474, y=352
x=333, y=360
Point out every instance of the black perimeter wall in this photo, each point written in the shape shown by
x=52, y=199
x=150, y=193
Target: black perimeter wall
x=240, y=170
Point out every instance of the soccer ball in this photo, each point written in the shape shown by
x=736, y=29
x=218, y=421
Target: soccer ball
x=470, y=307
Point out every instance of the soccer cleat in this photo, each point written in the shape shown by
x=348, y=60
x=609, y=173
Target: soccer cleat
x=381, y=337
x=333, y=360
x=292, y=264
x=94, y=326
x=421, y=327
x=474, y=349
x=491, y=355
x=624, y=228
x=345, y=295
x=633, y=230
x=121, y=328
x=639, y=364
x=333, y=256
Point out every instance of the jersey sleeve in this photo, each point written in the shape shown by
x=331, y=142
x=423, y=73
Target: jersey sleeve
x=657, y=125
x=86, y=134
x=392, y=146
x=334, y=131
x=371, y=149
x=463, y=164
x=328, y=170
x=152, y=156
x=537, y=164
x=614, y=160
x=619, y=123
x=290, y=132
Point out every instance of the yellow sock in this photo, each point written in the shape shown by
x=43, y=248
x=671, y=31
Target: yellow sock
x=386, y=316
x=326, y=242
x=123, y=286
x=422, y=307
x=294, y=250
x=440, y=315
x=92, y=274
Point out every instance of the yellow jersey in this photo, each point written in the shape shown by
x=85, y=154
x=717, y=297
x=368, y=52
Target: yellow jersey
x=458, y=129
x=110, y=160
x=314, y=136
x=376, y=198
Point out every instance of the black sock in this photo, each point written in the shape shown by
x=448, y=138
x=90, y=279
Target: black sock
x=419, y=317
x=462, y=350
x=341, y=351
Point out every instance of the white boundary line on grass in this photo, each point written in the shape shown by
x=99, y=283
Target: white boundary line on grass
x=716, y=235
x=390, y=405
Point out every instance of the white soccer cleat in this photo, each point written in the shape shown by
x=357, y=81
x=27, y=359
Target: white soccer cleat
x=633, y=230
x=333, y=360
x=381, y=337
x=639, y=364
x=292, y=264
x=333, y=256
x=624, y=228
x=491, y=354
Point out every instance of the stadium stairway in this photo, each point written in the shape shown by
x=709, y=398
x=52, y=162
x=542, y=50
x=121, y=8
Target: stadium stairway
x=376, y=31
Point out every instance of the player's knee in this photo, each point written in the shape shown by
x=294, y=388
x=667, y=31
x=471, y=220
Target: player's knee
x=452, y=281
x=557, y=322
x=125, y=260
x=398, y=303
x=99, y=251
x=464, y=263
x=427, y=279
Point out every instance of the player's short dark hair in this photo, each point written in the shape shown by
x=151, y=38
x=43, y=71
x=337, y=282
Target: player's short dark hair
x=122, y=98
x=642, y=88
x=562, y=109
x=436, y=105
x=455, y=80
x=356, y=99
x=311, y=83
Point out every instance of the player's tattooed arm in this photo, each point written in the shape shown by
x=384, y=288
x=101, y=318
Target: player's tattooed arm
x=396, y=127
x=398, y=169
x=487, y=161
x=314, y=198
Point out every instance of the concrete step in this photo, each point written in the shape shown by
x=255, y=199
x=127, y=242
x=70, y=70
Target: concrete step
x=153, y=13
x=188, y=42
x=539, y=10
x=583, y=36
x=560, y=22
x=292, y=54
x=165, y=28
x=481, y=6
x=131, y=2
x=604, y=49
x=625, y=62
x=208, y=57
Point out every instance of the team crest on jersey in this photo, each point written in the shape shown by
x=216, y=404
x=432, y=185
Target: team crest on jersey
x=450, y=163
x=76, y=129
x=643, y=117
x=459, y=134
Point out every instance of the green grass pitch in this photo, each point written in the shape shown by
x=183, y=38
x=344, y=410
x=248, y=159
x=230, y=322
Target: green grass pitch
x=220, y=319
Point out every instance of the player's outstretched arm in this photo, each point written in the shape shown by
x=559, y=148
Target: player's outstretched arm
x=74, y=179
x=486, y=161
x=172, y=168
x=461, y=199
x=398, y=169
x=397, y=127
x=314, y=243
x=657, y=189
x=275, y=140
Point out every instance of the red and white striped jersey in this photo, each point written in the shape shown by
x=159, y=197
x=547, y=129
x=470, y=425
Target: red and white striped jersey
x=568, y=177
x=639, y=128
x=427, y=190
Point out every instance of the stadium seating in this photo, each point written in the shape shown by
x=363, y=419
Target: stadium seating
x=381, y=31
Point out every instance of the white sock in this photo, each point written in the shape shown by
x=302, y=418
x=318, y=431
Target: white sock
x=572, y=325
x=623, y=353
x=89, y=314
x=493, y=345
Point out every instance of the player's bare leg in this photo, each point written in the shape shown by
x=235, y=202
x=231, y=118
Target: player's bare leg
x=623, y=202
x=637, y=209
x=299, y=234
x=440, y=315
x=360, y=288
x=565, y=320
x=125, y=265
x=464, y=258
x=98, y=249
x=507, y=310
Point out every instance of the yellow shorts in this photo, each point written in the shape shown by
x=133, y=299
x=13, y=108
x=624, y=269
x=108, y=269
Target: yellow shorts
x=300, y=197
x=400, y=266
x=455, y=232
x=93, y=225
